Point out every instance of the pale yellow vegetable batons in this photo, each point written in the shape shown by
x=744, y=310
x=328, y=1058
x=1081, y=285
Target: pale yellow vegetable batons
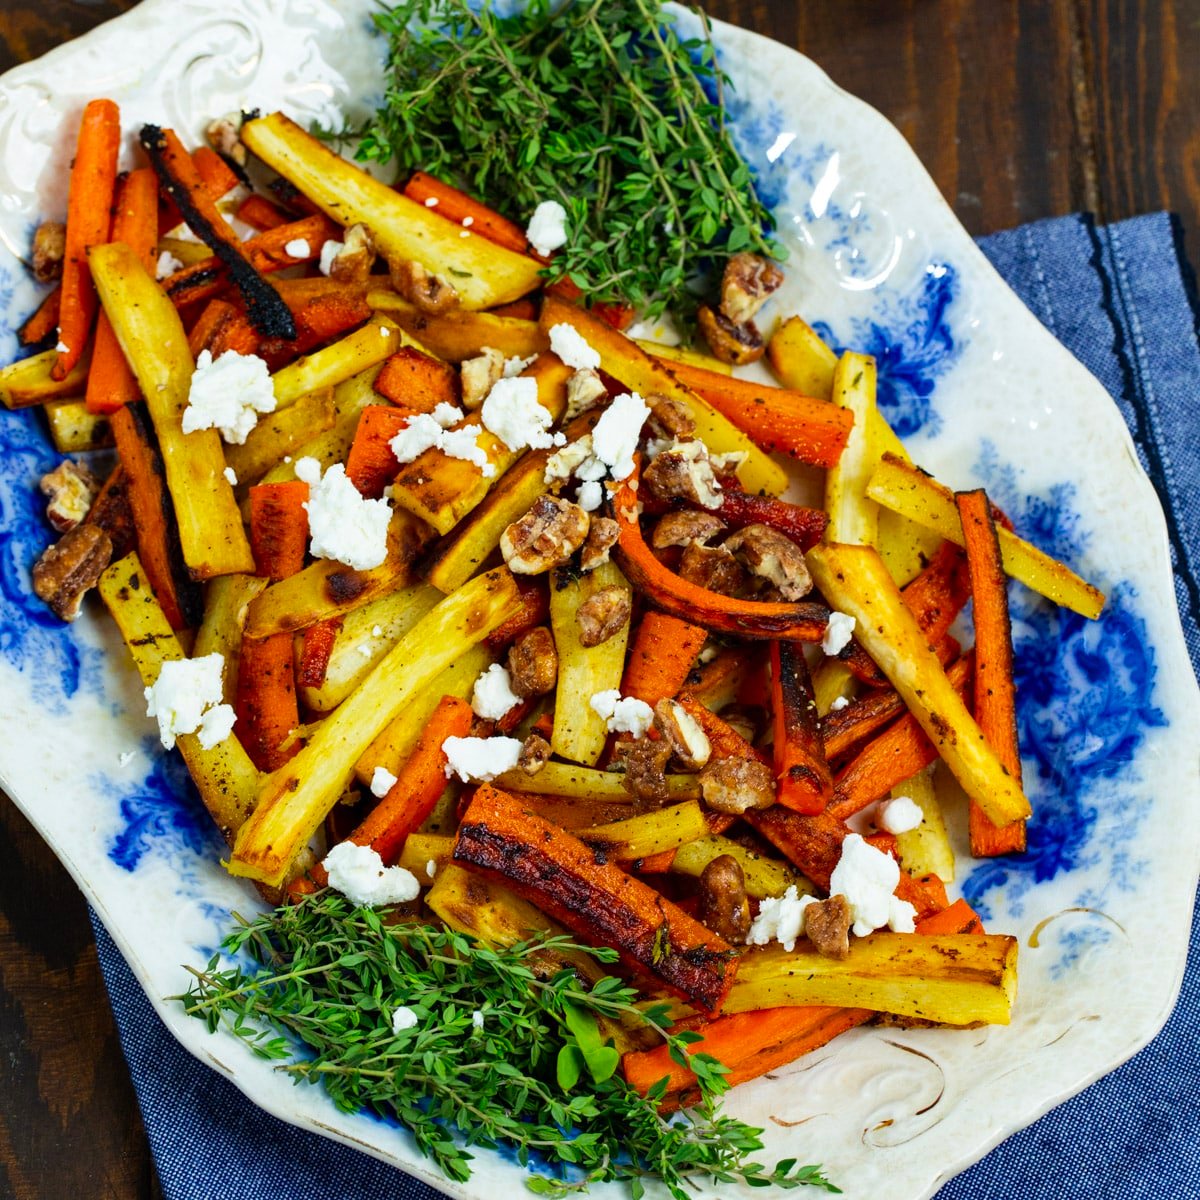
x=925, y=850
x=587, y=783
x=366, y=347
x=153, y=341
x=225, y=602
x=28, y=381
x=681, y=354
x=625, y=360
x=854, y=580
x=421, y=849
x=920, y=498
x=579, y=731
x=483, y=274
x=955, y=979
x=763, y=876
x=280, y=434
x=295, y=799
x=457, y=335
x=73, y=429
x=800, y=360
x=852, y=517
x=224, y=776
x=648, y=833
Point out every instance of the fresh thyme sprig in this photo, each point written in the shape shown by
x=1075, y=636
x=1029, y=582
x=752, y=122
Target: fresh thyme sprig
x=598, y=104
x=502, y=1050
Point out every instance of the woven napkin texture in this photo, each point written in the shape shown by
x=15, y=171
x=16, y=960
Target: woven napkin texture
x=1123, y=300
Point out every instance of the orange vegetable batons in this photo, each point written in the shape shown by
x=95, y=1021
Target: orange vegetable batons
x=663, y=652
x=458, y=207
x=803, y=779
x=416, y=381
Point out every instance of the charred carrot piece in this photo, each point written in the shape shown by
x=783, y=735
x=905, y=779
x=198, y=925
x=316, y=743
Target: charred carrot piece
x=460, y=208
x=371, y=464
x=503, y=840
x=215, y=173
x=265, y=702
x=182, y=182
x=89, y=218
x=316, y=648
x=802, y=621
x=663, y=652
x=534, y=611
x=222, y=326
x=259, y=212
x=417, y=381
x=523, y=310
x=278, y=527
x=44, y=319
x=995, y=689
x=181, y=600
x=804, y=781
x=805, y=526
x=958, y=917
x=726, y=742
x=319, y=318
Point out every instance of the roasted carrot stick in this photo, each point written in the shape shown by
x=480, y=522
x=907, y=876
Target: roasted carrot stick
x=43, y=321
x=958, y=917
x=222, y=326
x=371, y=464
x=110, y=380
x=265, y=702
x=89, y=218
x=216, y=174
x=805, y=526
x=261, y=213
x=995, y=690
x=278, y=527
x=534, y=611
x=664, y=649
x=523, y=310
x=315, y=651
x=417, y=381
x=458, y=207
x=725, y=740
x=805, y=782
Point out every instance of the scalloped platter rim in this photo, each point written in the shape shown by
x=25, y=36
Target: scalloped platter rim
x=983, y=394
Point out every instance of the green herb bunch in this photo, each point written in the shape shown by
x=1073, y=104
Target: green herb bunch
x=532, y=1069
x=597, y=104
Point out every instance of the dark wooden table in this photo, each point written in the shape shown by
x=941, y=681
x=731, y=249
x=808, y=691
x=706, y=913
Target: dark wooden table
x=1020, y=109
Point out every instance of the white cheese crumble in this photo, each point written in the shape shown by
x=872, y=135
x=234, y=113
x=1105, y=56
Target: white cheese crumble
x=231, y=476
x=468, y=222
x=228, y=394
x=297, y=248
x=839, y=702
x=590, y=495
x=424, y=431
x=515, y=365
x=512, y=412
x=124, y=758
x=62, y=347
x=493, y=695
x=377, y=631
x=403, y=1018
x=838, y=632
x=901, y=814
x=359, y=874
x=187, y=698
x=365, y=650
x=562, y=464
x=780, y=919
x=572, y=347
x=431, y=202
x=431, y=868
x=477, y=1019
x=464, y=443
x=867, y=878
x=382, y=782
x=329, y=251
x=342, y=524
x=615, y=437
x=480, y=758
x=547, y=228
x=464, y=233
x=446, y=414
x=166, y=266
x=628, y=715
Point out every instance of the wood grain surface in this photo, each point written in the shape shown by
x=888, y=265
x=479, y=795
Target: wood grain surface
x=1020, y=109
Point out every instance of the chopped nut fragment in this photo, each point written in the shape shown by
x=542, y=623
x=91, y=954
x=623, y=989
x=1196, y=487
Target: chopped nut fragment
x=684, y=472
x=429, y=292
x=601, y=538
x=735, y=785
x=670, y=418
x=585, y=389
x=681, y=731
x=645, y=777
x=723, y=905
x=480, y=375
x=49, y=246
x=684, y=527
x=827, y=925
x=714, y=568
x=546, y=536
x=224, y=135
x=736, y=344
x=353, y=262
x=746, y=285
x=72, y=488
x=535, y=753
x=533, y=662
x=70, y=567
x=774, y=557
x=601, y=615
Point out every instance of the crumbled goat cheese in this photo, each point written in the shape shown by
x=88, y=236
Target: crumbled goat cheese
x=377, y=631
x=512, y=412
x=477, y=1019
x=231, y=476
x=431, y=868
x=463, y=443
x=420, y=432
x=515, y=365
x=562, y=464
x=403, y=1018
x=901, y=814
x=297, y=248
x=464, y=233
x=780, y=919
x=62, y=347
x=615, y=437
x=329, y=251
x=867, y=878
x=590, y=495
x=571, y=346
x=424, y=431
x=839, y=702
x=432, y=202
x=382, y=782
x=365, y=650
x=468, y=222
x=838, y=632
x=228, y=394
x=628, y=715
x=447, y=415
x=186, y=698
x=493, y=695
x=167, y=265
x=359, y=874
x=480, y=758
x=547, y=228
x=342, y=523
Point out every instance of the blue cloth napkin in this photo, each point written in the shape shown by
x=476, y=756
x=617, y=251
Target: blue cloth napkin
x=1123, y=300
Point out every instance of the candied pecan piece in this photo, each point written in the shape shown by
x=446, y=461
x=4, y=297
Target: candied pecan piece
x=353, y=262
x=546, y=536
x=774, y=557
x=645, y=777
x=533, y=662
x=714, y=568
x=723, y=905
x=70, y=567
x=224, y=135
x=746, y=285
x=681, y=731
x=827, y=925
x=602, y=614
x=429, y=292
x=736, y=344
x=671, y=418
x=479, y=375
x=49, y=247
x=72, y=488
x=683, y=471
x=535, y=753
x=685, y=526
x=734, y=785
x=601, y=538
